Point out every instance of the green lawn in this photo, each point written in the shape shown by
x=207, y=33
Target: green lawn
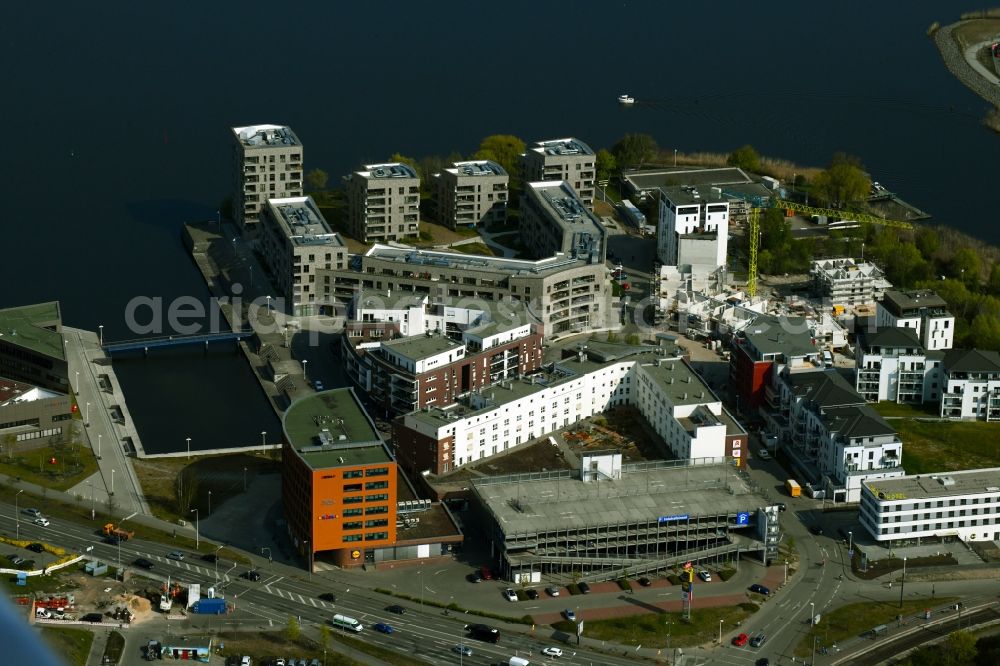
x=945, y=446
x=650, y=629
x=891, y=409
x=73, y=464
x=474, y=248
x=72, y=645
x=855, y=619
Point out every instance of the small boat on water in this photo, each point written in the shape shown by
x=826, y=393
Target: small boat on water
x=626, y=99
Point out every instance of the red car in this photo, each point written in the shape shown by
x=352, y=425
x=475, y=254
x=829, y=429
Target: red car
x=741, y=640
x=486, y=573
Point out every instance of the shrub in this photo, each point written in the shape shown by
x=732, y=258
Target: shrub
x=573, y=588
x=726, y=574
x=625, y=583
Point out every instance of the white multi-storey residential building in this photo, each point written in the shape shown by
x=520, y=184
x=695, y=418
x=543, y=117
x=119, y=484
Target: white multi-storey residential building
x=846, y=282
x=830, y=435
x=267, y=164
x=666, y=391
x=569, y=159
x=891, y=364
x=471, y=193
x=693, y=232
x=921, y=310
x=963, y=505
x=971, y=384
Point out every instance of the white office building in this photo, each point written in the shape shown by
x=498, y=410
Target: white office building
x=951, y=505
x=921, y=310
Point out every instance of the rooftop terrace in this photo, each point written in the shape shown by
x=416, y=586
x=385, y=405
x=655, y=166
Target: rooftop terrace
x=264, y=136
x=390, y=170
x=568, y=146
x=478, y=168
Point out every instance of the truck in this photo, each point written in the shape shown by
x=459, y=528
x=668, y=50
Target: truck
x=793, y=488
x=118, y=533
x=210, y=606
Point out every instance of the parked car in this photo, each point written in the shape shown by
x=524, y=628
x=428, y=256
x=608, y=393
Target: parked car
x=245, y=661
x=35, y=547
x=782, y=506
x=757, y=640
x=552, y=652
x=44, y=522
x=475, y=577
x=570, y=615
x=211, y=558
x=741, y=640
x=462, y=649
x=763, y=661
x=15, y=559
x=175, y=555
x=645, y=582
x=584, y=588
x=382, y=628
x=318, y=385
x=328, y=596
x=92, y=617
x=705, y=576
x=760, y=589
x=143, y=562
x=251, y=575
x=32, y=512
x=486, y=573
x=397, y=609
x=552, y=591
x=763, y=454
x=816, y=529
x=532, y=593
x=510, y=595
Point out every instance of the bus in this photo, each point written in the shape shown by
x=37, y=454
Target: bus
x=483, y=632
x=345, y=622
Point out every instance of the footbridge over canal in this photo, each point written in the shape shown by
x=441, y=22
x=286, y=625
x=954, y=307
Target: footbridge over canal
x=145, y=344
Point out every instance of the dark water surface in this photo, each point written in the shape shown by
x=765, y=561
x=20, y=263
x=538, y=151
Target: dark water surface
x=117, y=120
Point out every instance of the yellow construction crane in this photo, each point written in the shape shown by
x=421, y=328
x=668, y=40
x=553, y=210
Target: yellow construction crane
x=754, y=229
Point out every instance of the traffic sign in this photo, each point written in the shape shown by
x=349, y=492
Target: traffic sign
x=850, y=553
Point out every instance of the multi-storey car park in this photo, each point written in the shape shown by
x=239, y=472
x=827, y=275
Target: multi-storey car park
x=296, y=241
x=567, y=294
x=267, y=164
x=961, y=505
x=609, y=520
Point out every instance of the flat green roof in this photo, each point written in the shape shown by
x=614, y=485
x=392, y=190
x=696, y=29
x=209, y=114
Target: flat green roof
x=418, y=347
x=25, y=326
x=332, y=429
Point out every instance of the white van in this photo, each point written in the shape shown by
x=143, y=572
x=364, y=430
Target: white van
x=827, y=359
x=518, y=661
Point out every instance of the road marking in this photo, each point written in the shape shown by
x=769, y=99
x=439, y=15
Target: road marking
x=313, y=602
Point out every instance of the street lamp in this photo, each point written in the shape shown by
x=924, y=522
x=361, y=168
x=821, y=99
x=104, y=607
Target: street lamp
x=902, y=582
x=812, y=613
x=188, y=440
x=263, y=442
x=118, y=539
x=197, y=535
x=99, y=437
x=217, y=564
x=244, y=479
x=100, y=328
x=720, y=632
x=78, y=382
x=86, y=418
x=17, y=517
x=304, y=377
x=112, y=483
x=850, y=543
x=210, y=502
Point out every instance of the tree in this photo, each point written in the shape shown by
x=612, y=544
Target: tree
x=316, y=179
x=293, y=630
x=959, y=648
x=9, y=441
x=994, y=282
x=634, y=149
x=187, y=490
x=965, y=265
x=324, y=636
x=985, y=332
x=606, y=164
x=842, y=182
x=746, y=158
x=504, y=149
x=928, y=242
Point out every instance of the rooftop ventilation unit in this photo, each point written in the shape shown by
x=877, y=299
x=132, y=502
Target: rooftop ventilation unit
x=946, y=481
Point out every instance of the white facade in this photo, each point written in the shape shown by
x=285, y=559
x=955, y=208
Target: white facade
x=666, y=391
x=964, y=505
x=923, y=311
x=846, y=282
x=693, y=233
x=890, y=364
x=971, y=384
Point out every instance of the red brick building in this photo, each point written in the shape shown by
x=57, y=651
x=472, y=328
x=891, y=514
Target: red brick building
x=763, y=347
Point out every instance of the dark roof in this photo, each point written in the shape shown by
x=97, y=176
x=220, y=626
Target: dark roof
x=971, y=360
x=824, y=388
x=892, y=336
x=856, y=421
x=788, y=335
x=911, y=302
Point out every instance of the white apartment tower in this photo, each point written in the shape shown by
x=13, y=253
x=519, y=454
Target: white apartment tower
x=923, y=311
